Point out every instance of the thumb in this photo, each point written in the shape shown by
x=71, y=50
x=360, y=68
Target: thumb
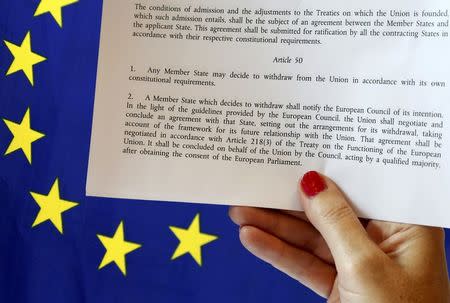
x=329, y=211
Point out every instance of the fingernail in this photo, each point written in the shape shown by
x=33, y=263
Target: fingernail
x=312, y=184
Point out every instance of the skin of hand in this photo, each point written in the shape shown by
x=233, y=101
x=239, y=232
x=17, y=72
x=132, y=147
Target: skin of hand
x=328, y=249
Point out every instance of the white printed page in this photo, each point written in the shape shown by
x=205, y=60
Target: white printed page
x=232, y=102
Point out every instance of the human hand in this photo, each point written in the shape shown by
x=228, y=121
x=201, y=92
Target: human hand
x=328, y=249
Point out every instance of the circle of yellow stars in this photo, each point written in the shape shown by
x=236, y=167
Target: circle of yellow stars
x=51, y=205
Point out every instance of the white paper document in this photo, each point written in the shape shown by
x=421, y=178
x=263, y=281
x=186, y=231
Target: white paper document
x=231, y=102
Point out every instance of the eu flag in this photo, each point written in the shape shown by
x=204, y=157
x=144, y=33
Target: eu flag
x=56, y=244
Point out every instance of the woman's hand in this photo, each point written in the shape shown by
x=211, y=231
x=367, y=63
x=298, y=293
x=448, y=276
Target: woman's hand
x=329, y=250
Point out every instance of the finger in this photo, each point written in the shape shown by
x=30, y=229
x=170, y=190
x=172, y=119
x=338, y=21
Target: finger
x=389, y=233
x=380, y=231
x=334, y=295
x=329, y=211
x=298, y=214
x=289, y=229
x=409, y=243
x=422, y=251
x=302, y=215
x=298, y=264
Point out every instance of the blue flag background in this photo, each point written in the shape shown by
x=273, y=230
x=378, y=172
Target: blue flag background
x=41, y=265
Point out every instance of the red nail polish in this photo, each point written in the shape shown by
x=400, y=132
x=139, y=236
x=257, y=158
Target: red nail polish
x=312, y=184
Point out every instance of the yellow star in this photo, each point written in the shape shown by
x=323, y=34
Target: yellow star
x=52, y=207
x=116, y=249
x=54, y=7
x=24, y=58
x=191, y=240
x=23, y=136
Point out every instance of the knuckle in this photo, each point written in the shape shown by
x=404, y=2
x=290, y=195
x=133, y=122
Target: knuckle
x=334, y=299
x=425, y=233
x=307, y=266
x=436, y=233
x=332, y=212
x=274, y=223
x=362, y=264
x=280, y=255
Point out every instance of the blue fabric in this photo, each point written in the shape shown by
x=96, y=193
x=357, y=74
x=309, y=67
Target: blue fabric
x=39, y=264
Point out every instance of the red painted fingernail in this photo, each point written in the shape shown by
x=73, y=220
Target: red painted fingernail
x=312, y=184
